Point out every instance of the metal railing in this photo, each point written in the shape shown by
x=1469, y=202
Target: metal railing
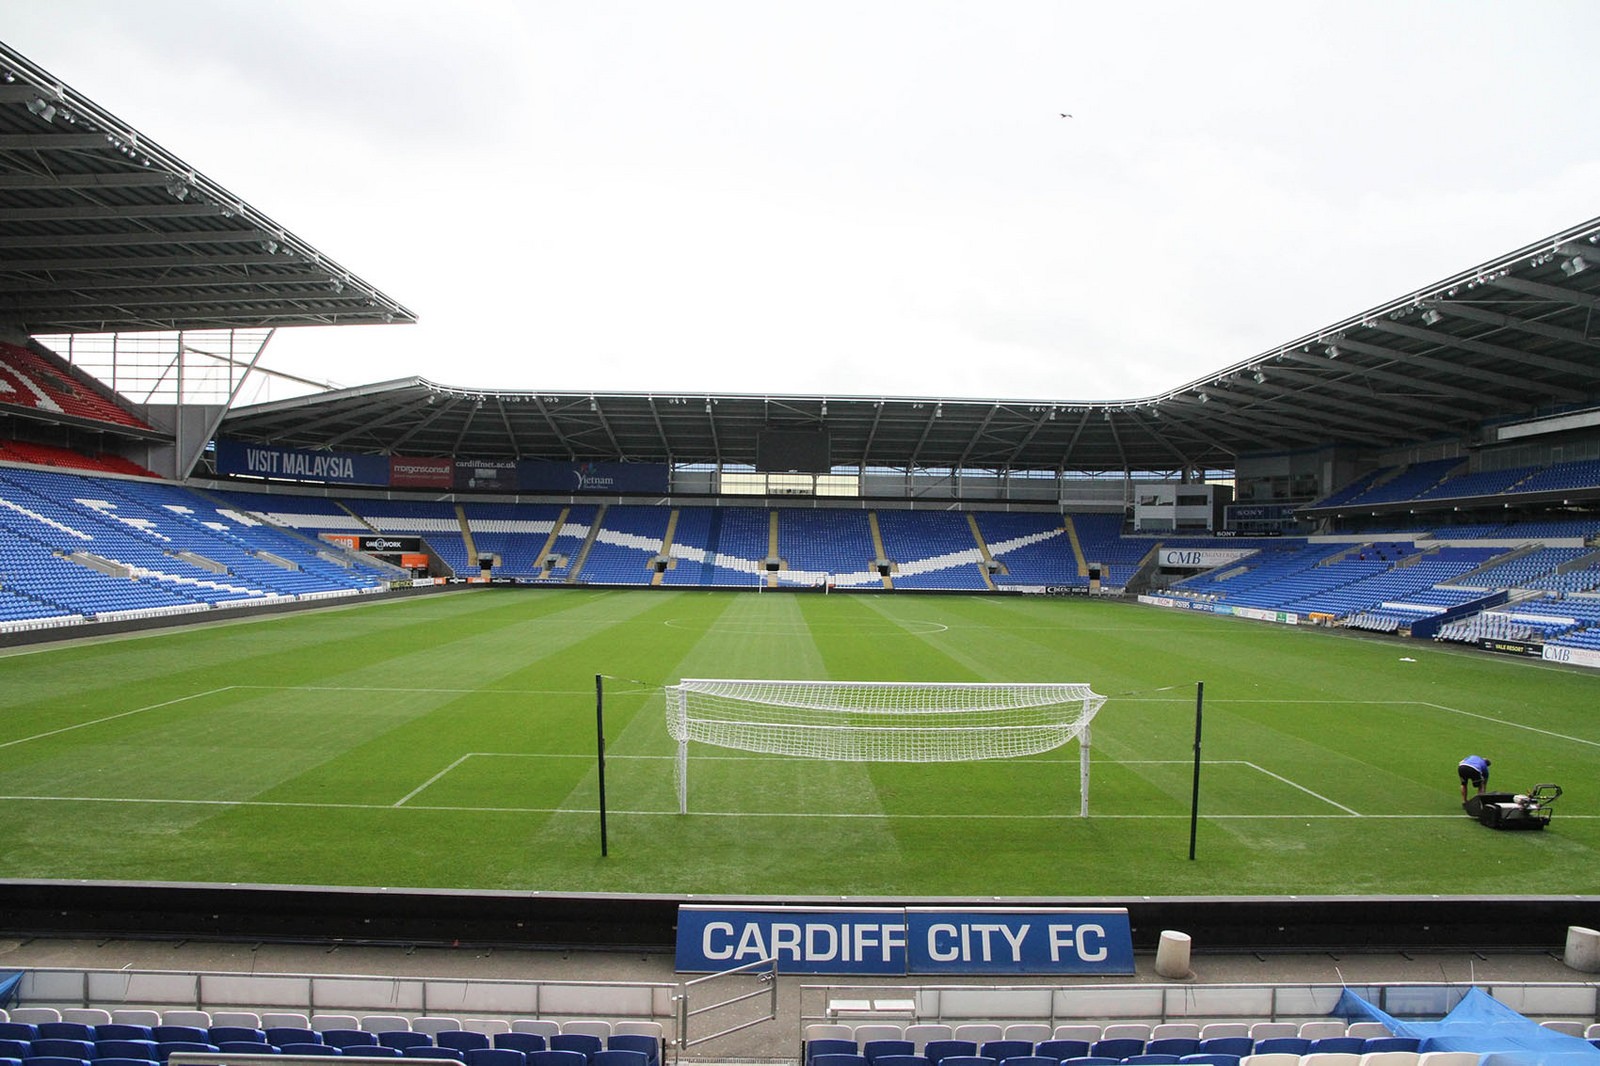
x=765, y=975
x=1058, y=1004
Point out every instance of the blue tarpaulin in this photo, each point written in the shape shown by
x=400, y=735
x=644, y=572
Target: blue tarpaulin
x=9, y=983
x=1481, y=1024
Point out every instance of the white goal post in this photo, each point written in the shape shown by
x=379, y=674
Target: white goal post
x=880, y=721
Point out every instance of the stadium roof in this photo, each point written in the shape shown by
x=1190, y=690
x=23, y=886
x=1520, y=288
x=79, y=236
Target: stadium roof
x=1510, y=339
x=102, y=230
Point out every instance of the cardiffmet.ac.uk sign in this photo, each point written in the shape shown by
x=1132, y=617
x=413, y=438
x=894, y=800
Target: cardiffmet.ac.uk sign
x=904, y=941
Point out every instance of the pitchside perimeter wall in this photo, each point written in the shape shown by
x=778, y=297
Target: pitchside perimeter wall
x=533, y=919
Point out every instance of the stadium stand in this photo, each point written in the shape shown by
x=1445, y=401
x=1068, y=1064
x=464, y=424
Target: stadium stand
x=50, y=386
x=817, y=543
x=1033, y=549
x=627, y=544
x=931, y=550
x=516, y=534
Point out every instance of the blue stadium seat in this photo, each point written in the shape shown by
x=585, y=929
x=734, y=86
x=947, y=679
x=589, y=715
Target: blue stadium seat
x=553, y=1057
x=313, y=1049
x=462, y=1040
x=910, y=1060
x=618, y=1057
x=1374, y=1044
x=1282, y=1045
x=584, y=1044
x=1117, y=1048
x=429, y=1051
x=1000, y=1050
x=126, y=1049
x=1090, y=1060
x=14, y=1049
x=1172, y=1045
x=648, y=1046
x=831, y=1059
x=939, y=1050
x=1226, y=1045
x=23, y=1031
x=54, y=1060
x=370, y=1051
x=496, y=1056
x=877, y=1049
x=188, y=1034
x=348, y=1038
x=66, y=1031
x=247, y=1047
x=222, y=1034
x=527, y=1043
x=112, y=1061
x=50, y=1047
x=122, y=1031
x=404, y=1038
x=281, y=1035
x=167, y=1047
x=1213, y=1058
x=1030, y=1060
x=1337, y=1045
x=1151, y=1059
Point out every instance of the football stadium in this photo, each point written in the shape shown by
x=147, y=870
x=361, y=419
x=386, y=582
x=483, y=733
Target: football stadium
x=1249, y=723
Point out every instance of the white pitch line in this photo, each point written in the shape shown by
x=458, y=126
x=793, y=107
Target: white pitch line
x=673, y=813
x=401, y=802
x=1303, y=788
x=442, y=691
x=114, y=717
x=1514, y=725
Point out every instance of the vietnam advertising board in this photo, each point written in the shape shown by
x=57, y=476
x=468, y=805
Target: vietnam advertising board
x=906, y=941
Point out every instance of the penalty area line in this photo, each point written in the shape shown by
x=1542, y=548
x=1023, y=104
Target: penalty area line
x=114, y=717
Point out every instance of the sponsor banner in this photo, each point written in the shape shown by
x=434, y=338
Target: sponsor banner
x=903, y=942
x=1201, y=558
x=292, y=464
x=1576, y=656
x=1513, y=647
x=535, y=476
x=498, y=475
x=409, y=473
x=1030, y=941
x=385, y=545
x=1288, y=618
x=1066, y=590
x=824, y=940
x=1183, y=604
x=1259, y=512
x=347, y=541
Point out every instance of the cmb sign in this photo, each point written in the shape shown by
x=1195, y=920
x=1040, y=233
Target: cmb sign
x=1200, y=558
x=907, y=941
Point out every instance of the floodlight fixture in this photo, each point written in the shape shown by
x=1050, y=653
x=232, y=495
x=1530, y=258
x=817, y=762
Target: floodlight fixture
x=1261, y=378
x=1333, y=351
x=1575, y=265
x=1431, y=317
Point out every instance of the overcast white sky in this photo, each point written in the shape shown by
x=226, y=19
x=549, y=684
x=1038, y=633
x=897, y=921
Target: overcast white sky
x=856, y=197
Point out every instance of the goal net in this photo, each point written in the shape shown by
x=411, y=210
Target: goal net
x=880, y=721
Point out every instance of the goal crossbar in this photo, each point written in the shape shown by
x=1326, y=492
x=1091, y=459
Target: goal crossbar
x=880, y=721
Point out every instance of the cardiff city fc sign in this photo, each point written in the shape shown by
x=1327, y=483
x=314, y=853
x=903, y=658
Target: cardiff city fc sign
x=907, y=941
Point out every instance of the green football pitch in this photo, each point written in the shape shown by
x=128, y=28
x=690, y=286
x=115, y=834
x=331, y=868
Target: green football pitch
x=450, y=741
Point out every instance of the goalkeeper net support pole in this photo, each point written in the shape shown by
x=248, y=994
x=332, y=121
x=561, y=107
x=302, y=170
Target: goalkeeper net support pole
x=880, y=721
